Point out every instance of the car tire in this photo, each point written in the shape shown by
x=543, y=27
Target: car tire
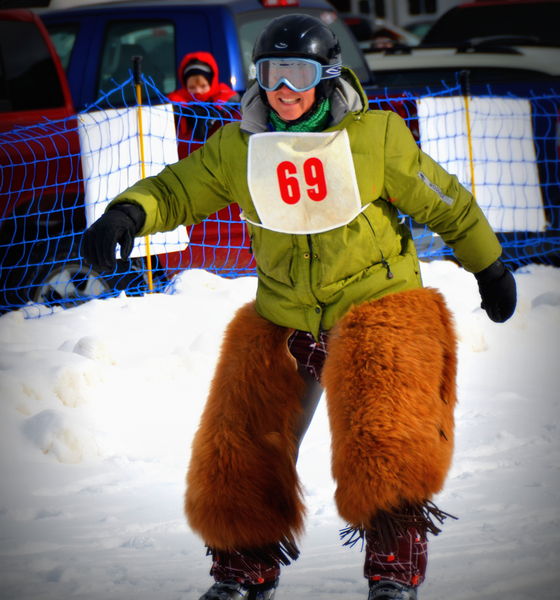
x=67, y=283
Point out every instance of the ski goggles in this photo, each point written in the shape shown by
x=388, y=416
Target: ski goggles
x=299, y=74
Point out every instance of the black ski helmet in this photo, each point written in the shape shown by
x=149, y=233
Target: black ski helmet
x=298, y=35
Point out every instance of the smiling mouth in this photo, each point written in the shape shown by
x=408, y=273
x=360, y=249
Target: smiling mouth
x=289, y=100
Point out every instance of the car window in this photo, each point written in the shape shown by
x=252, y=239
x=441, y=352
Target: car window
x=153, y=40
x=252, y=23
x=28, y=76
x=537, y=20
x=63, y=36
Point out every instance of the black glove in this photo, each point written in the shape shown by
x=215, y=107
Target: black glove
x=498, y=291
x=118, y=225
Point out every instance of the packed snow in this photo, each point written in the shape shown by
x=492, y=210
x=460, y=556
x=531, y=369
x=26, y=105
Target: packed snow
x=99, y=404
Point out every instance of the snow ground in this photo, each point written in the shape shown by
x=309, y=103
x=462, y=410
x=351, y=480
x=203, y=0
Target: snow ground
x=99, y=404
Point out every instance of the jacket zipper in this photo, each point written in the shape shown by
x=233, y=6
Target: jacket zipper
x=311, y=261
x=383, y=259
x=310, y=250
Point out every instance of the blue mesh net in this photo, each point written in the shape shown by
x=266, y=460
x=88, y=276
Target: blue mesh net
x=56, y=176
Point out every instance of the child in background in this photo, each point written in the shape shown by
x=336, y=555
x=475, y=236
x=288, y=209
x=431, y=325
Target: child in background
x=199, y=75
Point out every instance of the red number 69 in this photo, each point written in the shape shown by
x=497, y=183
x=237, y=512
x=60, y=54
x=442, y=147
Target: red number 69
x=314, y=175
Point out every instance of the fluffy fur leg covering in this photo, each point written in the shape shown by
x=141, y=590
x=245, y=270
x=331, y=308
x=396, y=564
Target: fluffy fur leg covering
x=243, y=491
x=390, y=383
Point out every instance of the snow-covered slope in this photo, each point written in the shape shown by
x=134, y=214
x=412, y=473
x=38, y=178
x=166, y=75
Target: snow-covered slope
x=99, y=404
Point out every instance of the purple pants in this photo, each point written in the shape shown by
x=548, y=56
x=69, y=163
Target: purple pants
x=405, y=564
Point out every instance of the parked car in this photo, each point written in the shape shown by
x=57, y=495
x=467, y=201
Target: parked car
x=41, y=191
x=420, y=67
x=34, y=89
x=378, y=34
x=95, y=44
x=498, y=22
x=94, y=41
x=498, y=47
x=498, y=41
x=471, y=42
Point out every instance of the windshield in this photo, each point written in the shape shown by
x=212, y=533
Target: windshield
x=535, y=22
x=63, y=36
x=250, y=24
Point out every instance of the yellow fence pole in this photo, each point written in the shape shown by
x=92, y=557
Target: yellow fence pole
x=466, y=91
x=137, y=70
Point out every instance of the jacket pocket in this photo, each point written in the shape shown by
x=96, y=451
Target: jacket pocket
x=346, y=251
x=273, y=253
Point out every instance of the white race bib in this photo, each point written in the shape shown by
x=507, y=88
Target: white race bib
x=303, y=182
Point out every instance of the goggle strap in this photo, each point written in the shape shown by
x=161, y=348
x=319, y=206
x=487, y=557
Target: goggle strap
x=330, y=71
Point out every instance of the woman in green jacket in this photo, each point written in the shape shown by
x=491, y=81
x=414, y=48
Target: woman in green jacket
x=340, y=306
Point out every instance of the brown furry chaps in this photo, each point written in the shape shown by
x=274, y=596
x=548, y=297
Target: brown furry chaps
x=242, y=486
x=390, y=383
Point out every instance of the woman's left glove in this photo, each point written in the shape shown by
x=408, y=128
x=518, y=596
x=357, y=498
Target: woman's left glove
x=496, y=285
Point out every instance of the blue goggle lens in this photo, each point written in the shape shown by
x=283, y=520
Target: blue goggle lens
x=299, y=74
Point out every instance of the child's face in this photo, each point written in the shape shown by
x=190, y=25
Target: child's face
x=197, y=84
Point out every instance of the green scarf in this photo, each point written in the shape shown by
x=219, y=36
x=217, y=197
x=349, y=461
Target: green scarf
x=316, y=121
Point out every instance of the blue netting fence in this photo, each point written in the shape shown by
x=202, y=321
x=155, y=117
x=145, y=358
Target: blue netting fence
x=56, y=178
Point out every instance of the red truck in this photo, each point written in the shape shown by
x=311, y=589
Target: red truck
x=39, y=157
x=42, y=191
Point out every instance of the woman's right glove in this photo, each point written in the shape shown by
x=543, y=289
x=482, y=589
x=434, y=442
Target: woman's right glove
x=118, y=225
x=497, y=288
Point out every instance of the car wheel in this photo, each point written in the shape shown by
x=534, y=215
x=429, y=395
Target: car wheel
x=68, y=284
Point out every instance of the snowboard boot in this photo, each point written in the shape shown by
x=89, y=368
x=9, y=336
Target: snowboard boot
x=231, y=590
x=391, y=590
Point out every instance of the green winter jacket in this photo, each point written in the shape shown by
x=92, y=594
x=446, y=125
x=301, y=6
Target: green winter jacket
x=308, y=282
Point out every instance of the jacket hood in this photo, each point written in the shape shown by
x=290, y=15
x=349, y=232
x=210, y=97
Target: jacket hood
x=348, y=96
x=219, y=92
